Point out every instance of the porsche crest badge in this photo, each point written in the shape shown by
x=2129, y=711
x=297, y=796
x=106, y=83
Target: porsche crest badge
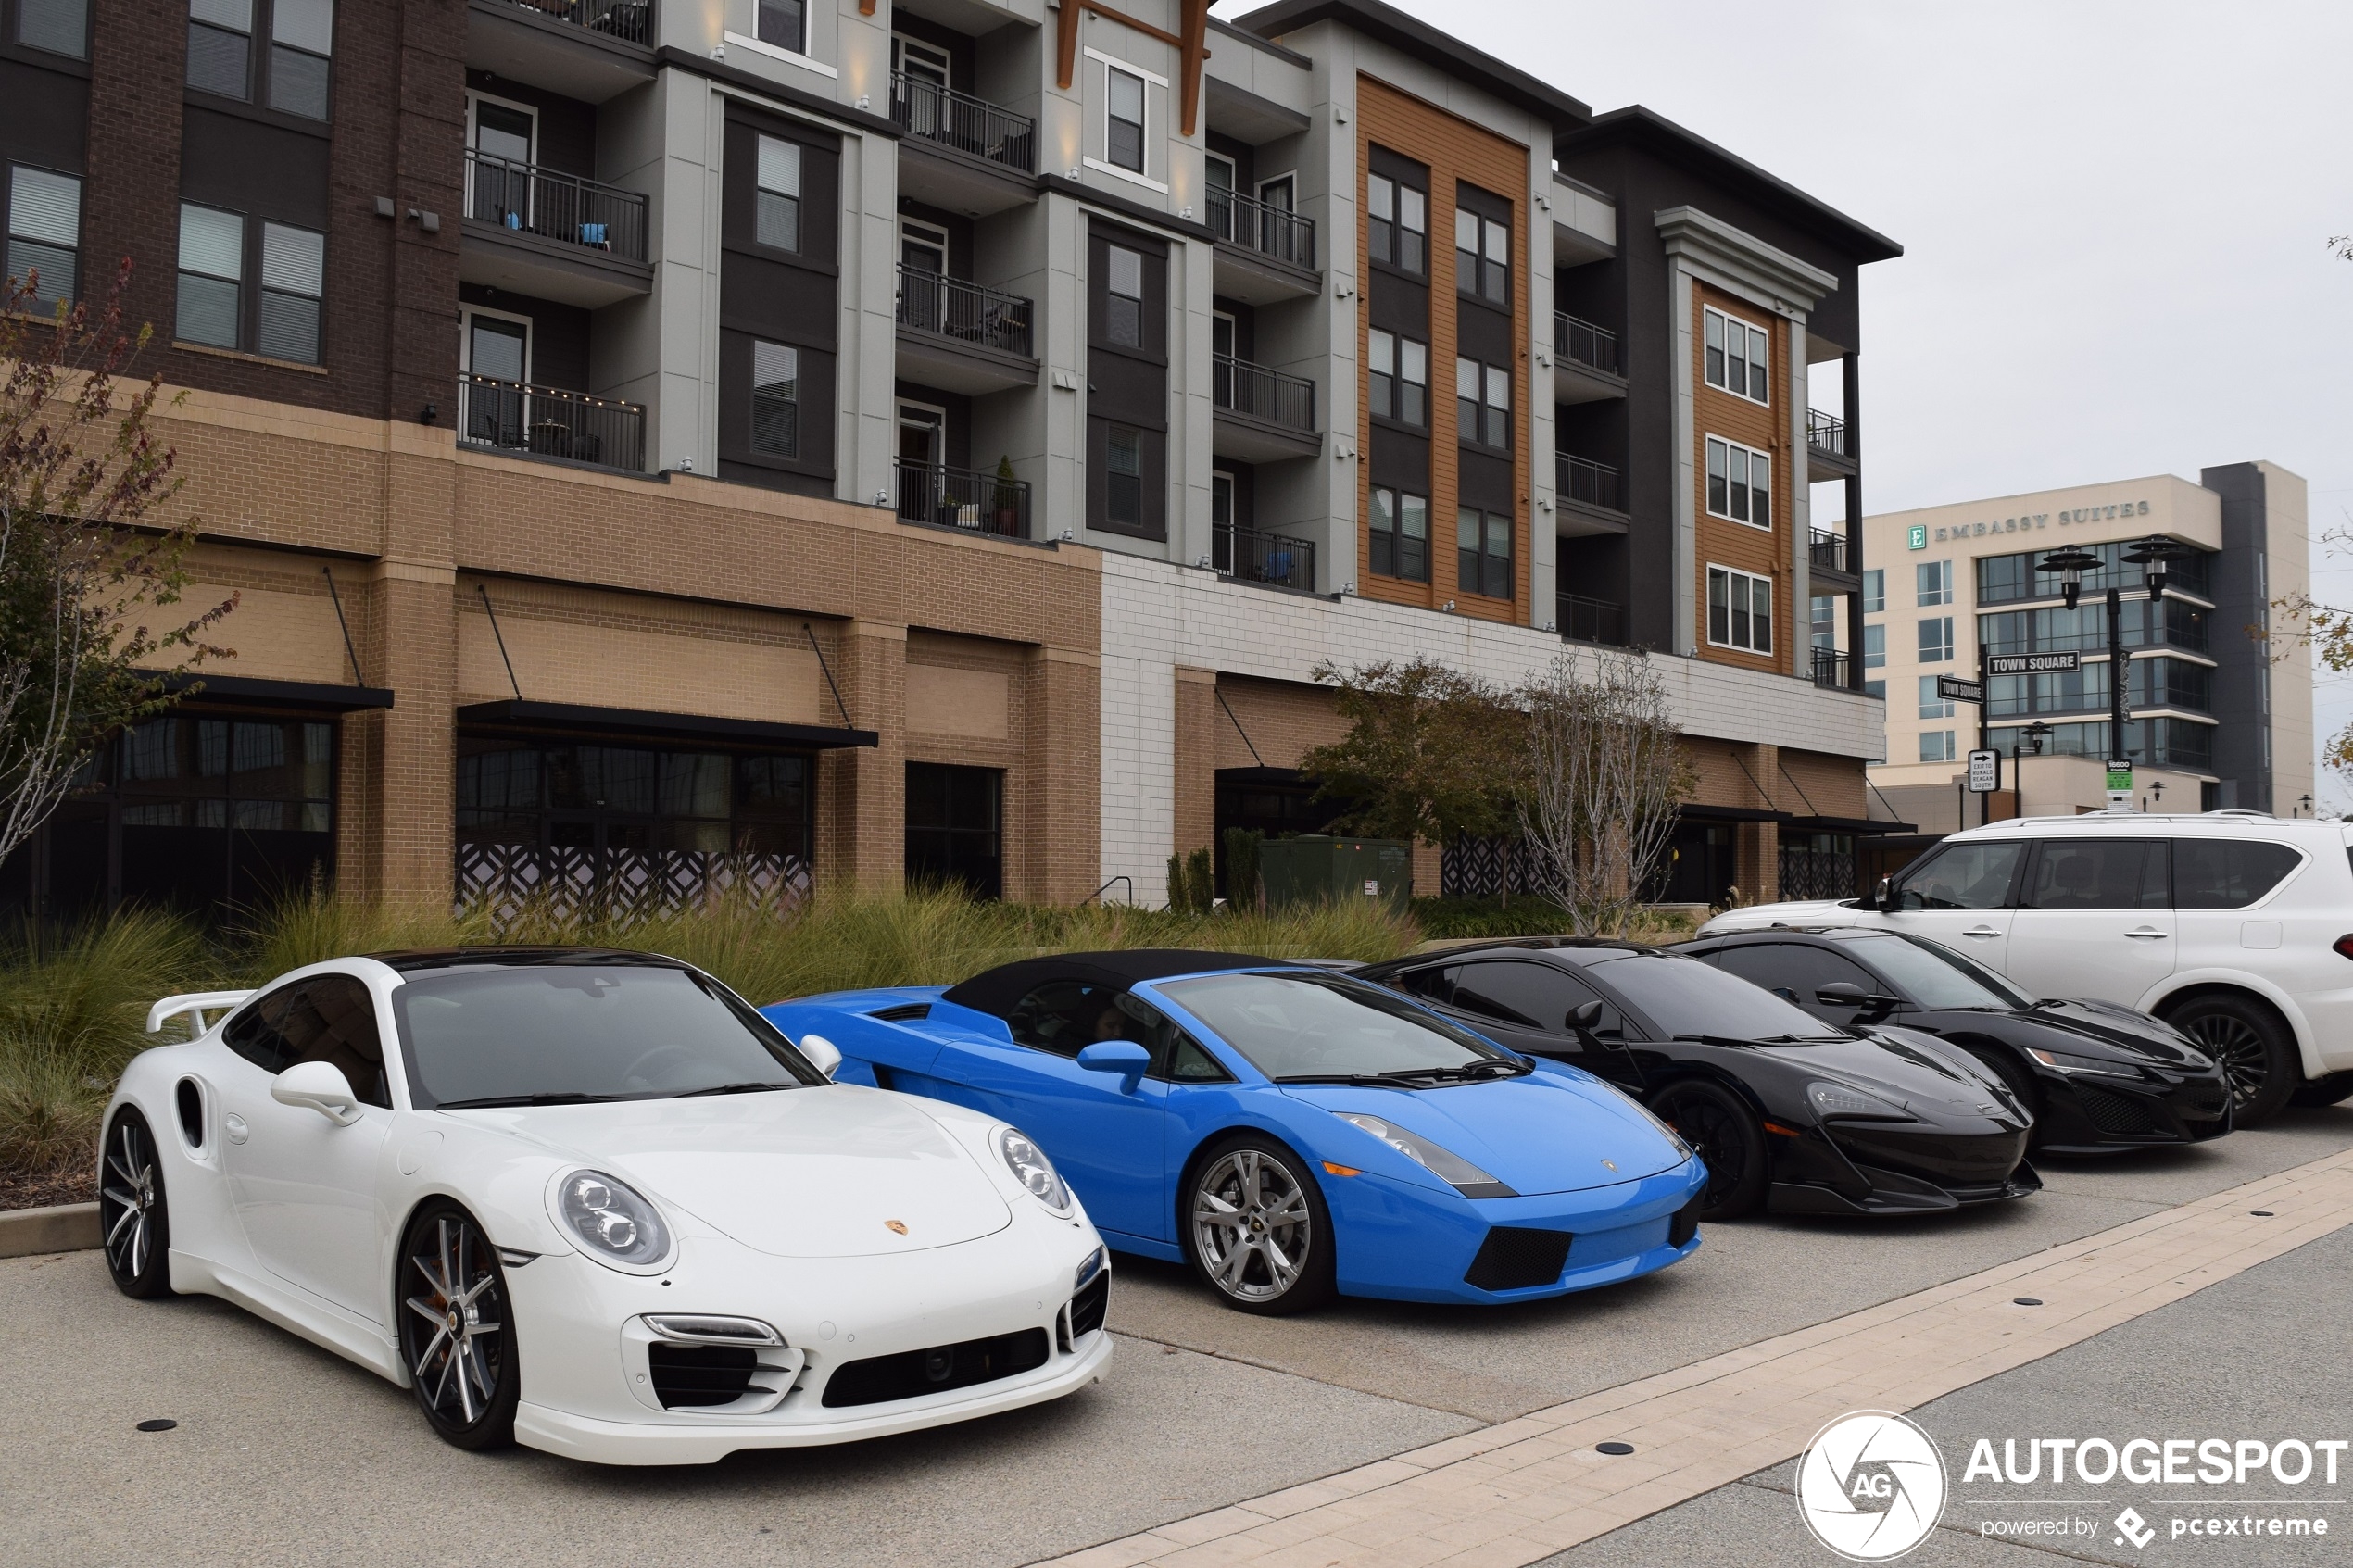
x=895, y=1226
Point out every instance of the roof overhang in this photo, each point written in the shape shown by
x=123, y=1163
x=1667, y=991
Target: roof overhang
x=639, y=723
x=1742, y=260
x=247, y=691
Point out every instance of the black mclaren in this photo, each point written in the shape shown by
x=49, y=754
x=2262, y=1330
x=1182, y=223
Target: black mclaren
x=1790, y=1114
x=2098, y=1077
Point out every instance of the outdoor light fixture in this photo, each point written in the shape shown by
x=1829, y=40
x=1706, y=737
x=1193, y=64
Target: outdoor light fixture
x=2151, y=555
x=2074, y=560
x=2036, y=733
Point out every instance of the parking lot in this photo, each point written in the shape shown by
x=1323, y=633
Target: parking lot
x=286, y=1454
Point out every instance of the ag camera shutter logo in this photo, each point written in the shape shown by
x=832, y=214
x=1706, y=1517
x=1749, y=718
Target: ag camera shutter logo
x=1870, y=1485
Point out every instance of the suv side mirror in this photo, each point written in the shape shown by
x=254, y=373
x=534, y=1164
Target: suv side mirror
x=319, y=1086
x=1883, y=895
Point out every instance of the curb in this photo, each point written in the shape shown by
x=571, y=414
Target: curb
x=68, y=1227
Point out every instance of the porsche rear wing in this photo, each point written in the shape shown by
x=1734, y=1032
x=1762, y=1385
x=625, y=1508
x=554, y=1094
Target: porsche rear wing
x=192, y=1005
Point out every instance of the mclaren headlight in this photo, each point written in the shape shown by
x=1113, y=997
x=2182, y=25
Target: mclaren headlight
x=1033, y=1170
x=612, y=1221
x=1838, y=1100
x=1443, y=1163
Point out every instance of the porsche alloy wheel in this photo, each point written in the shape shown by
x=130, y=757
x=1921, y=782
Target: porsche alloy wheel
x=130, y=1210
x=1725, y=1136
x=455, y=1333
x=1260, y=1232
x=2252, y=1047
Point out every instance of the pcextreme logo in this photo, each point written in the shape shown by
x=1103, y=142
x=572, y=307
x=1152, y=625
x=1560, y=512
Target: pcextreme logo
x=1870, y=1485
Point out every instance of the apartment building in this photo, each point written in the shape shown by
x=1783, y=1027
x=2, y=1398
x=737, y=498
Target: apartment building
x=657, y=446
x=2214, y=719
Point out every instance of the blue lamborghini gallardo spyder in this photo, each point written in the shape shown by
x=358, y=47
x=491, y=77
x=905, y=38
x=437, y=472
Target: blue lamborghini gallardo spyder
x=1289, y=1132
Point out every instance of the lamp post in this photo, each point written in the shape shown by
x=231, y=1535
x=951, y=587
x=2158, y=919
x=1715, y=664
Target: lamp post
x=2036, y=733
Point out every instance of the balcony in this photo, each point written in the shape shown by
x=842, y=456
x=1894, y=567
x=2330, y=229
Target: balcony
x=533, y=231
x=970, y=156
x=1586, y=620
x=1829, y=444
x=1264, y=253
x=546, y=422
x=1275, y=559
x=591, y=50
x=1587, y=482
x=964, y=336
x=1586, y=367
x=1262, y=415
x=1833, y=668
x=962, y=498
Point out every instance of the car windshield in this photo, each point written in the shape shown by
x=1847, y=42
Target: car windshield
x=1685, y=997
x=1312, y=1027
x=1935, y=975
x=559, y=1033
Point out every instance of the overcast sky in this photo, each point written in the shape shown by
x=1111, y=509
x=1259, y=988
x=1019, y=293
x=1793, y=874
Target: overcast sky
x=2114, y=218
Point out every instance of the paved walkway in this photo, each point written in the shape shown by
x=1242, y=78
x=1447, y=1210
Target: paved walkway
x=1517, y=1492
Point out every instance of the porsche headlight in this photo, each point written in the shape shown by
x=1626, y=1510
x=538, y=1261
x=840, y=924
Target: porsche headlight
x=1837, y=1099
x=1443, y=1163
x=613, y=1221
x=1033, y=1170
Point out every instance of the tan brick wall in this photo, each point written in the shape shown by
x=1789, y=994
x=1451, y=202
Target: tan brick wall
x=1199, y=719
x=1282, y=720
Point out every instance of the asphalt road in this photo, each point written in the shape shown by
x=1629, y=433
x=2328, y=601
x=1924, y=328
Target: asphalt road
x=285, y=1454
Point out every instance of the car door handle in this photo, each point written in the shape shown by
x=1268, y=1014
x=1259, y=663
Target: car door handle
x=1980, y=931
x=2146, y=936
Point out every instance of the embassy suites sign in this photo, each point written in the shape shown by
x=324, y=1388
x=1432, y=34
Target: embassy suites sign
x=2025, y=522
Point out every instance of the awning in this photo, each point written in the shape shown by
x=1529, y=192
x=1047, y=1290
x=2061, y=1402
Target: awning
x=1290, y=776
x=1847, y=825
x=318, y=697
x=645, y=724
x=1699, y=813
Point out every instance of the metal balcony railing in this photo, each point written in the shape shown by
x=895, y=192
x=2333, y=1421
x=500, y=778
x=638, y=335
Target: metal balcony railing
x=924, y=109
x=1258, y=393
x=550, y=422
x=1586, y=620
x=1833, y=667
x=532, y=200
x=1263, y=558
x=954, y=497
x=629, y=21
x=1262, y=227
x=1585, y=343
x=1581, y=479
x=951, y=307
x=1827, y=433
x=1828, y=551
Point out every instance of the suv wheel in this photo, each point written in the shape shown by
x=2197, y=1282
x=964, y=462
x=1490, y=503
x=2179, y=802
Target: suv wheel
x=2252, y=1046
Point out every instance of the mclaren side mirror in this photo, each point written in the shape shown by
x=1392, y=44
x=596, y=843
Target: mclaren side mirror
x=823, y=1054
x=1124, y=1057
x=319, y=1086
x=1581, y=1018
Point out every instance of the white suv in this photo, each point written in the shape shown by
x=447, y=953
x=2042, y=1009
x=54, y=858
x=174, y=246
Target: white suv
x=2234, y=926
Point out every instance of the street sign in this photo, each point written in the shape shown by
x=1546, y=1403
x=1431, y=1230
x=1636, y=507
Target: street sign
x=2033, y=663
x=1985, y=772
x=1957, y=688
x=2120, y=784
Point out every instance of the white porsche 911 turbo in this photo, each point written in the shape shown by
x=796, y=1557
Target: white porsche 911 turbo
x=593, y=1202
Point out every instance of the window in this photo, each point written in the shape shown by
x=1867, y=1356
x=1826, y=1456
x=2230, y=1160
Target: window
x=1399, y=223
x=1739, y=356
x=1825, y=621
x=2097, y=873
x=2221, y=873
x=1528, y=994
x=212, y=256
x=778, y=218
x=302, y=36
x=1123, y=302
x=294, y=265
x=1484, y=542
x=1483, y=403
x=220, y=45
x=1123, y=499
x=1875, y=647
x=330, y=1019
x=1933, y=706
x=44, y=232
x=775, y=400
x=1962, y=876
x=1936, y=639
x=1874, y=590
x=1400, y=378
x=1740, y=610
x=629, y=800
x=1934, y=579
x=1483, y=257
x=1739, y=482
x=62, y=27
x=1124, y=118
x=954, y=830
x=1400, y=535
x=780, y=23
x=1936, y=745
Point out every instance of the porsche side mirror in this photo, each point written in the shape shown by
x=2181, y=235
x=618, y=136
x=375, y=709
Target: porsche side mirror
x=823, y=1054
x=1124, y=1057
x=319, y=1086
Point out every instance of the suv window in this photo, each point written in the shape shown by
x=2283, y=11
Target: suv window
x=1528, y=995
x=2097, y=873
x=1962, y=876
x=2227, y=874
x=330, y=1018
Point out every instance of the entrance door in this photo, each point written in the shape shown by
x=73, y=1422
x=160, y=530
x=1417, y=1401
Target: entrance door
x=2095, y=919
x=923, y=433
x=922, y=262
x=500, y=192
x=497, y=358
x=955, y=823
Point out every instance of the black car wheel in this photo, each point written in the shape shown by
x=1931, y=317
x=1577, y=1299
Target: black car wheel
x=2333, y=1089
x=132, y=1219
x=2251, y=1044
x=455, y=1330
x=1256, y=1228
x=1724, y=1133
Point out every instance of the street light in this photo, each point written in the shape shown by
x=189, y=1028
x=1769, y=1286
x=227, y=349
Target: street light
x=2074, y=560
x=2036, y=733
x=2152, y=554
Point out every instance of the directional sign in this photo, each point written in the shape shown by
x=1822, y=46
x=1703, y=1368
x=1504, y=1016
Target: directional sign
x=1954, y=688
x=1985, y=772
x=2033, y=663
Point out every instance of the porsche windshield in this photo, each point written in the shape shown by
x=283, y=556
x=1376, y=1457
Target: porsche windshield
x=1318, y=1028
x=1936, y=976
x=1685, y=996
x=567, y=1034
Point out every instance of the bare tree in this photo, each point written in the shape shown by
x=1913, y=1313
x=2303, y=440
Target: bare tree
x=80, y=569
x=1606, y=772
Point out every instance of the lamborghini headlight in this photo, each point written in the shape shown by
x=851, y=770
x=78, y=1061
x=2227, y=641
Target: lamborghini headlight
x=1033, y=1170
x=614, y=1221
x=1443, y=1163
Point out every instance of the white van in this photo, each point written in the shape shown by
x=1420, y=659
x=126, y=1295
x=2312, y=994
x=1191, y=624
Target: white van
x=2234, y=926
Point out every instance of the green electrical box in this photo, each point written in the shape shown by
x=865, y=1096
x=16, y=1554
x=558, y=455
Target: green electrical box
x=1316, y=868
